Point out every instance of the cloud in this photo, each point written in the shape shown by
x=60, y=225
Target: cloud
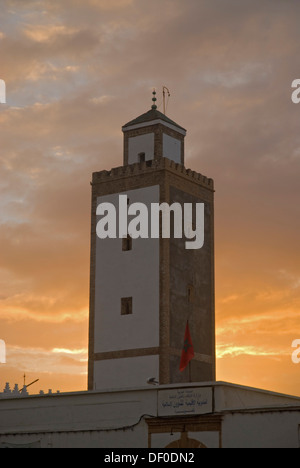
x=48, y=33
x=37, y=360
x=81, y=352
x=76, y=71
x=233, y=351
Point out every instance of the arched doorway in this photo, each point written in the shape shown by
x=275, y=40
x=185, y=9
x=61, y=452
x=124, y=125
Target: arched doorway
x=186, y=442
x=184, y=429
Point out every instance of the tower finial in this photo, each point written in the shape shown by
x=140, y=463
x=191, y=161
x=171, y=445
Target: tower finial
x=154, y=106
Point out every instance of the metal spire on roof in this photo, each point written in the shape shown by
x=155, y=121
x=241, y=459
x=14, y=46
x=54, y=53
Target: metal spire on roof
x=164, y=98
x=154, y=106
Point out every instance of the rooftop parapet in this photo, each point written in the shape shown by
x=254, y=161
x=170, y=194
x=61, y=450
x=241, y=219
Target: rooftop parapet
x=147, y=167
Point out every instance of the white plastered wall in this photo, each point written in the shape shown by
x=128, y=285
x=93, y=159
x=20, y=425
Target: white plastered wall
x=141, y=144
x=172, y=148
x=121, y=274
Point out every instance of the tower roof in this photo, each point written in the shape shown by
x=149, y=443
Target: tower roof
x=151, y=115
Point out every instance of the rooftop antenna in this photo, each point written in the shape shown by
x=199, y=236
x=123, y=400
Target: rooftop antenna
x=26, y=386
x=165, y=89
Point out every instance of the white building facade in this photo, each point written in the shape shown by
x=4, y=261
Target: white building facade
x=204, y=415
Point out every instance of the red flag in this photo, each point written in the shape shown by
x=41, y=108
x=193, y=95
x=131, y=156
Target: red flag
x=187, y=350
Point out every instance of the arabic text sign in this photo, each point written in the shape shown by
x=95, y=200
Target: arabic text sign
x=183, y=401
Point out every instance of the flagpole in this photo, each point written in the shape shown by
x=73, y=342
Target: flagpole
x=190, y=378
x=189, y=364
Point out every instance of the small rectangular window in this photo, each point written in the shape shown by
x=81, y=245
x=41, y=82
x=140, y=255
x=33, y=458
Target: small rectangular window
x=126, y=306
x=127, y=243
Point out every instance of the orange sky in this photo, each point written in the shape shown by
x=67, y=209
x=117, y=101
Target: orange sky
x=76, y=71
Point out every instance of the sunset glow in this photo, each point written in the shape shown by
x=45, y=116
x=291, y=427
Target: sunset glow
x=75, y=72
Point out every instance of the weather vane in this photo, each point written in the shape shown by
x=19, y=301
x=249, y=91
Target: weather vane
x=165, y=89
x=166, y=94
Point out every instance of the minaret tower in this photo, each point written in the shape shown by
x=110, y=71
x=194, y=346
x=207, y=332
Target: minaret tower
x=143, y=291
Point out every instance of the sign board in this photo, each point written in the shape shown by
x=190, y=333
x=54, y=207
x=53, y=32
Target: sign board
x=185, y=401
